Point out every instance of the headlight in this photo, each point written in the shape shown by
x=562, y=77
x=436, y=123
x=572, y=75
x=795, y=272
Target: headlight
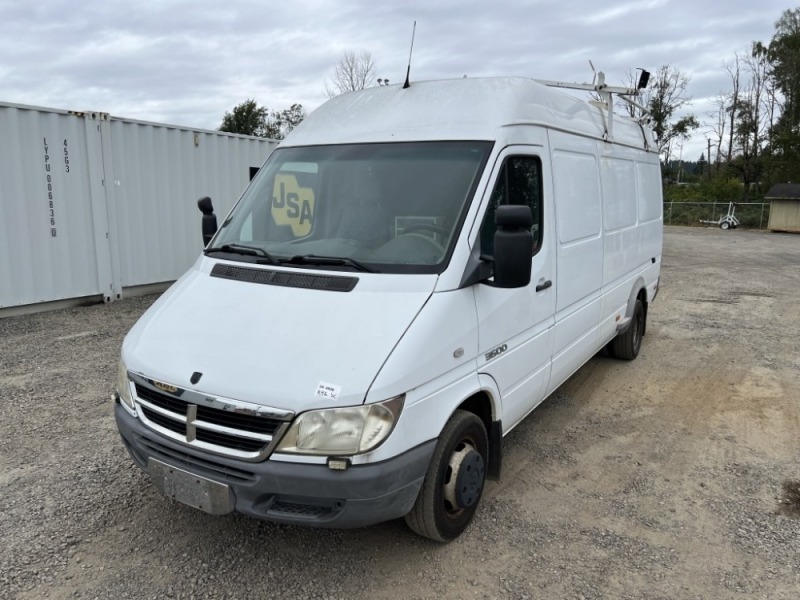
x=124, y=387
x=342, y=431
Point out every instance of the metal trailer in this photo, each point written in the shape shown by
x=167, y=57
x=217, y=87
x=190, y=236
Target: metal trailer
x=728, y=221
x=94, y=206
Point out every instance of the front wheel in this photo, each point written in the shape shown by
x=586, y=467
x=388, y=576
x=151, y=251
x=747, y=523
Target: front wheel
x=454, y=482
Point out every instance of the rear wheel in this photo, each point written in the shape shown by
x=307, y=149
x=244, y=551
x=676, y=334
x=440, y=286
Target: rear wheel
x=454, y=482
x=626, y=346
x=724, y=225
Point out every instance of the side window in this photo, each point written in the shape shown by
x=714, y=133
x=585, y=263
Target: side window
x=519, y=182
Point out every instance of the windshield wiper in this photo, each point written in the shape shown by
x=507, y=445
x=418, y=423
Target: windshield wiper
x=315, y=259
x=245, y=250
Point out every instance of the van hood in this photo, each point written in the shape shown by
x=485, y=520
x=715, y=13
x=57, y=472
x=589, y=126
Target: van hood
x=275, y=345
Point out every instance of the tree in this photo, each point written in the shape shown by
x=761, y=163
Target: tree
x=784, y=58
x=664, y=98
x=353, y=72
x=750, y=128
x=248, y=118
x=291, y=118
x=733, y=101
x=719, y=121
x=701, y=164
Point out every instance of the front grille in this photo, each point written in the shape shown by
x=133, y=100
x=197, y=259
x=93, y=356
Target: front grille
x=229, y=441
x=161, y=400
x=165, y=422
x=238, y=421
x=224, y=427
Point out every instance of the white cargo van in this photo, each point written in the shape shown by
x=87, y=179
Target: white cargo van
x=408, y=276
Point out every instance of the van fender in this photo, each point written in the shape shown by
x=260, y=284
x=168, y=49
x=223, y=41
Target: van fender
x=625, y=322
x=489, y=387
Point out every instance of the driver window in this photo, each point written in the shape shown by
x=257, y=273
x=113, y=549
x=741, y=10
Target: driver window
x=519, y=182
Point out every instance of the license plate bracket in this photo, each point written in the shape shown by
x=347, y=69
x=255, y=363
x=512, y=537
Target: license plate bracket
x=198, y=492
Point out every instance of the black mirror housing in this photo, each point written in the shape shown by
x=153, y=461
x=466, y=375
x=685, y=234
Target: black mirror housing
x=209, y=224
x=513, y=246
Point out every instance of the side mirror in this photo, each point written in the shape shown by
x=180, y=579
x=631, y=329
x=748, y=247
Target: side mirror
x=513, y=246
x=209, y=224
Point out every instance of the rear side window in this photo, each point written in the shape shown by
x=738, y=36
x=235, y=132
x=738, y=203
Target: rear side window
x=519, y=182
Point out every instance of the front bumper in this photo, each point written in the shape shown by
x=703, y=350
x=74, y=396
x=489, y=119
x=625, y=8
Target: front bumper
x=293, y=493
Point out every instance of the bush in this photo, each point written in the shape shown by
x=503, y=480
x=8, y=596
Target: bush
x=719, y=189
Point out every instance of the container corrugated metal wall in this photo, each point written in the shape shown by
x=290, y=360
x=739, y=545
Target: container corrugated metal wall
x=159, y=173
x=90, y=204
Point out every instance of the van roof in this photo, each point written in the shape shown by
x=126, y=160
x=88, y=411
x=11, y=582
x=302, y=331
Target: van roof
x=457, y=109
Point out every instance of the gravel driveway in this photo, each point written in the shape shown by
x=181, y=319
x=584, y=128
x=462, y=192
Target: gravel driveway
x=661, y=478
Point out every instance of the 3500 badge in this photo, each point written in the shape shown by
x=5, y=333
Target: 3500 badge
x=496, y=352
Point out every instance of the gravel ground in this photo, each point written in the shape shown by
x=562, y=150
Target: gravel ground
x=661, y=478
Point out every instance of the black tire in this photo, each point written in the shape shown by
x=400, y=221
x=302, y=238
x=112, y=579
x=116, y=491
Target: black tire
x=626, y=346
x=434, y=516
x=724, y=225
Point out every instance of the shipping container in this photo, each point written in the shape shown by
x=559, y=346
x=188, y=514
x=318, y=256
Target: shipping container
x=93, y=206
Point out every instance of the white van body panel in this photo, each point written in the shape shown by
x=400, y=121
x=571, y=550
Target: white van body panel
x=442, y=338
x=272, y=345
x=426, y=408
x=579, y=252
x=458, y=109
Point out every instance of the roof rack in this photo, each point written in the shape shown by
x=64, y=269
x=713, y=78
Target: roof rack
x=606, y=93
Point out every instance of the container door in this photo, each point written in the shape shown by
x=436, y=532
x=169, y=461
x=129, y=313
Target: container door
x=46, y=208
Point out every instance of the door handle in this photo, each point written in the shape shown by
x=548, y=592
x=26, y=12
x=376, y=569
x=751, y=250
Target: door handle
x=543, y=285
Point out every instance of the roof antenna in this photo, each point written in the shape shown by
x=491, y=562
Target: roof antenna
x=408, y=71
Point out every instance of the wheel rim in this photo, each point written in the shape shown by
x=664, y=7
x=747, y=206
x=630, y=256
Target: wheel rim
x=464, y=478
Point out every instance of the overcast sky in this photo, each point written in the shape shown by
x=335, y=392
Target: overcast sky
x=187, y=62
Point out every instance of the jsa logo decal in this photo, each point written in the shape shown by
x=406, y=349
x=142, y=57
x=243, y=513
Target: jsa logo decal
x=495, y=352
x=293, y=205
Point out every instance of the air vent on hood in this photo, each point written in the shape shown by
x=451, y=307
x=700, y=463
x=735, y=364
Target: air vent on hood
x=328, y=283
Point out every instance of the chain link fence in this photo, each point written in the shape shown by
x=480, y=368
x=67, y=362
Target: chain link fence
x=754, y=215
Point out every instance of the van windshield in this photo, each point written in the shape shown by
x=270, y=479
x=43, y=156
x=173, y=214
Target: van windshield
x=393, y=208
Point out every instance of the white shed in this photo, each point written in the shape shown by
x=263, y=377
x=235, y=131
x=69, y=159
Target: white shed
x=784, y=209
